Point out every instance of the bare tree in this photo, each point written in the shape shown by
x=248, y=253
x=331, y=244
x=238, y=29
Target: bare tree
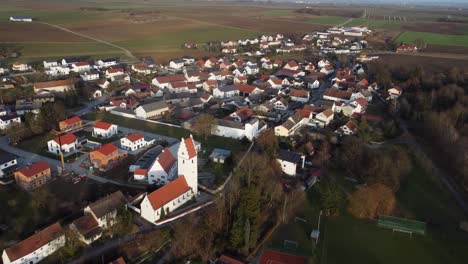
x=203, y=125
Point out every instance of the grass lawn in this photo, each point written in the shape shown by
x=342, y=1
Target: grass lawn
x=277, y=12
x=212, y=142
x=329, y=20
x=433, y=38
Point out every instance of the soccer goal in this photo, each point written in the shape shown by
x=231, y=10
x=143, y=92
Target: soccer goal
x=402, y=225
x=290, y=245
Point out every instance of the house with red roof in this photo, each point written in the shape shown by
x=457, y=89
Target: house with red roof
x=71, y=124
x=135, y=142
x=350, y=128
x=164, y=81
x=67, y=144
x=33, y=176
x=242, y=114
x=112, y=72
x=395, y=92
x=36, y=247
x=246, y=90
x=104, y=129
x=163, y=169
x=299, y=95
x=228, y=260
x=106, y=155
x=81, y=66
x=174, y=194
x=291, y=65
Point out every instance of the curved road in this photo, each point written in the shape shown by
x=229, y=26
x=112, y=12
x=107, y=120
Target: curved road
x=126, y=51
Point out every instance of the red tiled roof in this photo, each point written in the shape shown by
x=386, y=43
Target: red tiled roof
x=102, y=125
x=115, y=70
x=299, y=93
x=34, y=242
x=118, y=261
x=34, y=169
x=166, y=160
x=212, y=83
x=135, y=136
x=190, y=145
x=50, y=84
x=82, y=63
x=244, y=113
x=107, y=149
x=292, y=64
x=228, y=260
x=168, y=192
x=65, y=139
x=274, y=257
x=362, y=101
x=72, y=120
x=245, y=88
x=140, y=172
x=178, y=84
x=170, y=78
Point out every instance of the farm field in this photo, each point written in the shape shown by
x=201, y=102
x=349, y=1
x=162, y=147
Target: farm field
x=329, y=20
x=345, y=237
x=433, y=38
x=374, y=23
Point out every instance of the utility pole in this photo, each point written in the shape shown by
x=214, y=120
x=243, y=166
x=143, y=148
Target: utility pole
x=318, y=227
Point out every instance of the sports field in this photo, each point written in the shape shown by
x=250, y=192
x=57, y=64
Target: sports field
x=345, y=238
x=433, y=38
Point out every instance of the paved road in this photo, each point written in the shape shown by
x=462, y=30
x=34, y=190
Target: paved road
x=25, y=157
x=126, y=51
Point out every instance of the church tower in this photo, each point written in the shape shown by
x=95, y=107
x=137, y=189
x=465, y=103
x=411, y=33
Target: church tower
x=187, y=164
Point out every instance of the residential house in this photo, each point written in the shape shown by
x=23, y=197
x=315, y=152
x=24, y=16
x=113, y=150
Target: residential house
x=299, y=95
x=290, y=126
x=163, y=169
x=152, y=110
x=8, y=163
x=104, y=130
x=68, y=143
x=225, y=91
x=9, y=119
x=20, y=67
x=337, y=95
x=89, y=76
x=395, y=92
x=291, y=65
x=113, y=72
x=247, y=90
x=33, y=176
x=105, y=156
x=177, y=64
x=289, y=161
x=242, y=114
x=241, y=79
x=350, y=128
x=36, y=247
x=141, y=68
x=280, y=104
x=324, y=118
x=164, y=81
x=71, y=124
x=49, y=64
x=106, y=63
x=81, y=66
x=105, y=209
x=134, y=142
x=87, y=229
x=323, y=63
x=210, y=85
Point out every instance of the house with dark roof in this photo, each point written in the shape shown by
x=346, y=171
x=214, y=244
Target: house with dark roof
x=226, y=91
x=33, y=176
x=8, y=164
x=152, y=110
x=105, y=209
x=289, y=161
x=87, y=229
x=9, y=119
x=36, y=247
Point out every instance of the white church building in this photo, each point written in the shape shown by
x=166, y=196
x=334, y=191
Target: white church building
x=177, y=192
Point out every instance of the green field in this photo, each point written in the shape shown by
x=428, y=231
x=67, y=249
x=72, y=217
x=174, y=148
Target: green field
x=346, y=238
x=277, y=12
x=58, y=17
x=31, y=51
x=329, y=20
x=374, y=23
x=433, y=38
x=201, y=34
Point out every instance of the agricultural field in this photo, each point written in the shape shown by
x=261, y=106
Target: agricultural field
x=433, y=38
x=375, y=24
x=277, y=12
x=329, y=20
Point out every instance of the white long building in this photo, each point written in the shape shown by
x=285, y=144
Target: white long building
x=36, y=247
